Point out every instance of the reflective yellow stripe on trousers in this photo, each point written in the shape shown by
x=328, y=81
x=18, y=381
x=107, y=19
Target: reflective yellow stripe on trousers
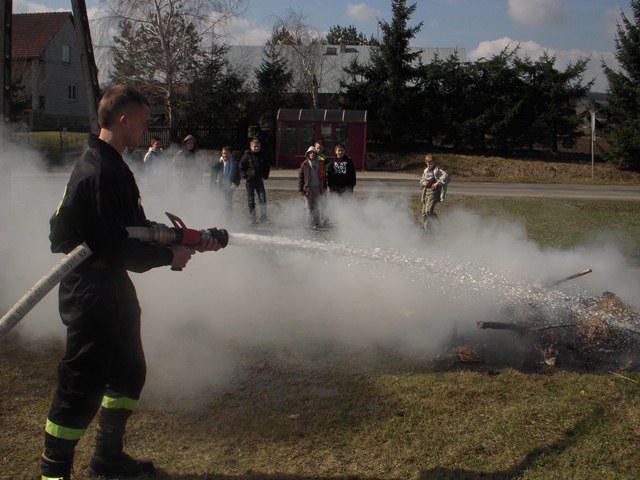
x=65, y=433
x=125, y=403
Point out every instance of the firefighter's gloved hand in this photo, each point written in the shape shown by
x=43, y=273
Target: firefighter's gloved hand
x=208, y=244
x=181, y=256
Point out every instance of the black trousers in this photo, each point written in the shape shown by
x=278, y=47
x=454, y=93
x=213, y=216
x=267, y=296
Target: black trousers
x=104, y=352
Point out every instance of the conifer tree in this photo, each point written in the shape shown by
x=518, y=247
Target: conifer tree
x=347, y=36
x=623, y=114
x=273, y=78
x=386, y=84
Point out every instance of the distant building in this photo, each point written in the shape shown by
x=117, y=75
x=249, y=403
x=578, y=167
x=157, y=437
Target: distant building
x=327, y=62
x=46, y=60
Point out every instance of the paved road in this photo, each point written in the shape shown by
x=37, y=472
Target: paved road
x=394, y=182
x=405, y=183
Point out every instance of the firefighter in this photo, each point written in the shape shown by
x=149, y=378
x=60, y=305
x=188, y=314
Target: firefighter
x=103, y=367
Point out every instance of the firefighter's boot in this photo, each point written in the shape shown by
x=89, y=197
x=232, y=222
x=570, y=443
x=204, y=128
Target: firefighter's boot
x=55, y=469
x=109, y=459
x=57, y=459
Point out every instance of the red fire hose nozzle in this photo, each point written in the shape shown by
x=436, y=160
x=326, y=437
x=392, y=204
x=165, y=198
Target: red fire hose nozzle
x=189, y=237
x=179, y=234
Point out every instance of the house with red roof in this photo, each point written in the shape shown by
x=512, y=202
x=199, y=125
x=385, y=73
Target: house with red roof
x=46, y=62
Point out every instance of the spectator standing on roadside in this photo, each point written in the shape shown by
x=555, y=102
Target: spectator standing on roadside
x=254, y=168
x=187, y=166
x=155, y=172
x=155, y=150
x=226, y=177
x=341, y=173
x=319, y=146
x=434, y=183
x=312, y=185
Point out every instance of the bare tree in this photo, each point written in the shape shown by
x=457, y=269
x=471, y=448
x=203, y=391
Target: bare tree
x=173, y=33
x=306, y=44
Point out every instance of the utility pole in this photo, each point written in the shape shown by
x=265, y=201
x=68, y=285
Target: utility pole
x=87, y=61
x=5, y=50
x=593, y=140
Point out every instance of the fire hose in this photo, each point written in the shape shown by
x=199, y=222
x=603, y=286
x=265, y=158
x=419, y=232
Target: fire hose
x=179, y=234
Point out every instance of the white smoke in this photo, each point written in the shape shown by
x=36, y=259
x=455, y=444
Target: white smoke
x=374, y=280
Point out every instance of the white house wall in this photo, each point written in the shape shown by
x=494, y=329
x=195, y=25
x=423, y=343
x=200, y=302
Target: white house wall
x=56, y=76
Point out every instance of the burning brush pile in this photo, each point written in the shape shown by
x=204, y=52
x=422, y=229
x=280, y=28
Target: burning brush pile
x=601, y=334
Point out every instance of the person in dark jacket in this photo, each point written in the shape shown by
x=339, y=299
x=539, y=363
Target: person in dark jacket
x=254, y=168
x=341, y=173
x=103, y=367
x=187, y=166
x=225, y=175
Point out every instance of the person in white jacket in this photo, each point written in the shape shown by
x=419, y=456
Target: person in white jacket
x=434, y=186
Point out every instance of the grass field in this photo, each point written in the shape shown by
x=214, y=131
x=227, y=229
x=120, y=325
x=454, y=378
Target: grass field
x=561, y=223
x=389, y=419
x=332, y=412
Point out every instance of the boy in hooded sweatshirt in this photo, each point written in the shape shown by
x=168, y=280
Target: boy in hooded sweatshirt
x=312, y=185
x=187, y=165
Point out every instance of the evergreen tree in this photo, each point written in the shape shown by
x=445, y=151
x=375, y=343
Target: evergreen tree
x=281, y=35
x=457, y=93
x=495, y=102
x=550, y=98
x=216, y=93
x=386, y=84
x=273, y=81
x=443, y=87
x=347, y=36
x=273, y=78
x=623, y=114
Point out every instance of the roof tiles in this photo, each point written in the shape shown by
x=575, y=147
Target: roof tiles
x=31, y=32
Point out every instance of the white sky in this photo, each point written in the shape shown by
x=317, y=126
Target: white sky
x=571, y=29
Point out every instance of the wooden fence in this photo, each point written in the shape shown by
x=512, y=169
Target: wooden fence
x=210, y=136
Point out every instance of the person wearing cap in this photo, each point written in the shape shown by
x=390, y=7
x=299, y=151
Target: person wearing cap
x=434, y=183
x=312, y=185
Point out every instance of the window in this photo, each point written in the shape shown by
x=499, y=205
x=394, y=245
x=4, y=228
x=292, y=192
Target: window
x=72, y=92
x=288, y=138
x=341, y=134
x=66, y=54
